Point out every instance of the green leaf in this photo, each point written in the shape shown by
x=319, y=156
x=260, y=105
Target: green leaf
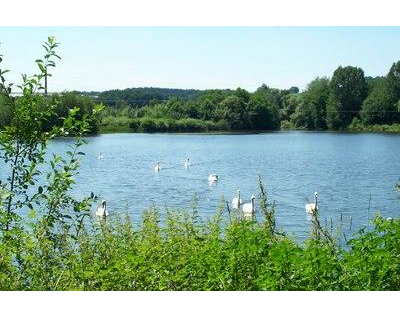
x=42, y=69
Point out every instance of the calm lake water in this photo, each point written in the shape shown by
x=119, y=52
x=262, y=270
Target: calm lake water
x=344, y=168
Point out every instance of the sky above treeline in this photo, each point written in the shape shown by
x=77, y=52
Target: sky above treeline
x=103, y=58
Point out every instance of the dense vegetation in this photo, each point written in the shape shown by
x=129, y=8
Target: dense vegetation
x=59, y=247
x=60, y=104
x=212, y=110
x=184, y=253
x=346, y=101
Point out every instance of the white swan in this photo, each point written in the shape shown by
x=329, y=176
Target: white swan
x=312, y=208
x=249, y=209
x=213, y=178
x=102, y=210
x=157, y=167
x=101, y=156
x=187, y=163
x=236, y=202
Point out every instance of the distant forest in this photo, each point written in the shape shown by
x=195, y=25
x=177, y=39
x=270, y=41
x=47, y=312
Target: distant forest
x=138, y=97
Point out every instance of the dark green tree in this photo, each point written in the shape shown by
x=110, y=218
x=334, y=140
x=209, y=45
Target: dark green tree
x=315, y=99
x=290, y=103
x=393, y=78
x=379, y=107
x=261, y=114
x=348, y=90
x=232, y=109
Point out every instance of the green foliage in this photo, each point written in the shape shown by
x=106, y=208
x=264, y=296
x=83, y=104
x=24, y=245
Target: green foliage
x=115, y=124
x=5, y=111
x=263, y=111
x=290, y=104
x=287, y=125
x=372, y=263
x=151, y=125
x=313, y=107
x=267, y=209
x=183, y=253
x=70, y=100
x=372, y=81
x=23, y=143
x=358, y=126
x=232, y=110
x=393, y=78
x=138, y=97
x=379, y=107
x=348, y=89
x=324, y=104
x=214, y=110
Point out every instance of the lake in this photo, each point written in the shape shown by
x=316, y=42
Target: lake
x=355, y=174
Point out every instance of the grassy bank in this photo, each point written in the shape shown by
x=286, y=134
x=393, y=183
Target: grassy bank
x=187, y=125
x=122, y=124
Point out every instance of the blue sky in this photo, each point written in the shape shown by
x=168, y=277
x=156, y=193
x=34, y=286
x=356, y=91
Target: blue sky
x=101, y=58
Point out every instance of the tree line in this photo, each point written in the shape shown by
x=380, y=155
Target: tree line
x=346, y=100
x=137, y=97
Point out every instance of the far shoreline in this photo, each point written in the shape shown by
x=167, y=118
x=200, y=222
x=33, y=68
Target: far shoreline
x=247, y=132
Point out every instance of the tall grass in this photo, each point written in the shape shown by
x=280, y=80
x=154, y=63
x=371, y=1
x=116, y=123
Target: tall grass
x=184, y=252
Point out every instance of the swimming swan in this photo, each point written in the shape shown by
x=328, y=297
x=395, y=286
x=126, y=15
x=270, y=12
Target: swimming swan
x=187, y=163
x=312, y=208
x=213, y=178
x=102, y=210
x=157, y=167
x=249, y=209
